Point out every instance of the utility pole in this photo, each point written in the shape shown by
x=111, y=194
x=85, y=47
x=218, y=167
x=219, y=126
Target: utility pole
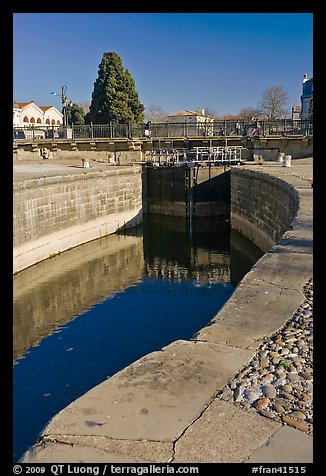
x=64, y=103
x=64, y=100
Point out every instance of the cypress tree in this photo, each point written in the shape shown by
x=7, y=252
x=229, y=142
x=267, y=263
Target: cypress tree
x=114, y=98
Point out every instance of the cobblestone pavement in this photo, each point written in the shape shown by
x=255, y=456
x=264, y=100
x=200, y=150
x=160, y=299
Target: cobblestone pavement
x=278, y=382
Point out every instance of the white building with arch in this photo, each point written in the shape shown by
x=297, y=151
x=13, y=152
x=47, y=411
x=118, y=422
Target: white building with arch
x=26, y=114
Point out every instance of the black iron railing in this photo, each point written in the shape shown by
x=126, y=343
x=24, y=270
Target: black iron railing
x=214, y=128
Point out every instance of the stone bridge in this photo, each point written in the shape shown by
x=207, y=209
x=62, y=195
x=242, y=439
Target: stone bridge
x=130, y=150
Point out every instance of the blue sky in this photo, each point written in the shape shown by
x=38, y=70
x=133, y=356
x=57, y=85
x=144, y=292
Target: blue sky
x=223, y=61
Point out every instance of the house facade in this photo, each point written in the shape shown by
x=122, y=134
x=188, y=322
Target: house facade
x=196, y=120
x=26, y=114
x=296, y=112
x=191, y=117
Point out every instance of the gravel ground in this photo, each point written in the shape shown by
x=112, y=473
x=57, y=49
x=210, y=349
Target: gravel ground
x=278, y=382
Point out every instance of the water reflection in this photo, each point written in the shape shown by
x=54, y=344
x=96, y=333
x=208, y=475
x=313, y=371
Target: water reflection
x=55, y=291
x=84, y=315
x=173, y=251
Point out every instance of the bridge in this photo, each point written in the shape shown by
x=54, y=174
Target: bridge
x=127, y=143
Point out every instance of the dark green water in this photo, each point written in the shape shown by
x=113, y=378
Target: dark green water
x=86, y=314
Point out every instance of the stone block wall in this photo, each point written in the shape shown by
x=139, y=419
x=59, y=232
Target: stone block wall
x=262, y=206
x=52, y=214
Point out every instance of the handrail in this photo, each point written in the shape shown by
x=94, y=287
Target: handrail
x=213, y=128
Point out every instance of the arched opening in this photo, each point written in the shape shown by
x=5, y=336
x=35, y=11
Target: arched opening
x=39, y=121
x=32, y=120
x=26, y=119
x=47, y=121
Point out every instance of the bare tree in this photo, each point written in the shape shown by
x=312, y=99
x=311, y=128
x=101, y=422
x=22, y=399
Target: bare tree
x=272, y=103
x=207, y=111
x=85, y=105
x=155, y=113
x=247, y=113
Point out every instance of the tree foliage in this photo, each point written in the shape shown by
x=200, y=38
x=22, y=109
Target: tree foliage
x=75, y=114
x=272, y=103
x=114, y=98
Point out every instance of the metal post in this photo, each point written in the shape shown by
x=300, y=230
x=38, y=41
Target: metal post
x=63, y=102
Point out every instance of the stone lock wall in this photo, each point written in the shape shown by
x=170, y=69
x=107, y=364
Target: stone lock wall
x=262, y=206
x=53, y=214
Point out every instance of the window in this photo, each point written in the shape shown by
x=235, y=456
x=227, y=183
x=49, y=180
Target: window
x=58, y=123
x=47, y=121
x=25, y=119
x=39, y=121
x=53, y=122
x=32, y=120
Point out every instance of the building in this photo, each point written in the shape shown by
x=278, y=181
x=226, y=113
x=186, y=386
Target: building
x=191, y=117
x=29, y=113
x=196, y=120
x=296, y=112
x=307, y=98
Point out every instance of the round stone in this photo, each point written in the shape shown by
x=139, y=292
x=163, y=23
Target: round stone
x=270, y=391
x=280, y=373
x=278, y=408
x=252, y=395
x=297, y=414
x=287, y=388
x=267, y=378
x=295, y=423
x=264, y=361
x=262, y=403
x=284, y=351
x=266, y=413
x=288, y=396
x=306, y=375
x=290, y=339
x=305, y=398
x=293, y=377
x=245, y=404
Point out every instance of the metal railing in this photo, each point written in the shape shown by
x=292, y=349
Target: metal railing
x=216, y=128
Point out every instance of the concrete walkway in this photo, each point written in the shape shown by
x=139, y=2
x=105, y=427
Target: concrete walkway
x=165, y=407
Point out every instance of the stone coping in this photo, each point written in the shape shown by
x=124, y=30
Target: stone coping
x=66, y=175
x=165, y=407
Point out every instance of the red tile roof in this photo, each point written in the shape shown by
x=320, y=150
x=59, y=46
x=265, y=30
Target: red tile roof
x=45, y=108
x=23, y=104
